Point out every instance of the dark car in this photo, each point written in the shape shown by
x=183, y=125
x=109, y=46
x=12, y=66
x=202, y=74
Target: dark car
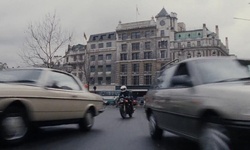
x=203, y=99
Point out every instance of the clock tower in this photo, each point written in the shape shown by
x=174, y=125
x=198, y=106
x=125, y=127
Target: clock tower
x=166, y=23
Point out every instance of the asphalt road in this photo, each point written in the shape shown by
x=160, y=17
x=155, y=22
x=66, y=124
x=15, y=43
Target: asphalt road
x=110, y=132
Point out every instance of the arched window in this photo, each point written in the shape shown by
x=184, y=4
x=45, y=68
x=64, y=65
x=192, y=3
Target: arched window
x=198, y=54
x=189, y=55
x=213, y=53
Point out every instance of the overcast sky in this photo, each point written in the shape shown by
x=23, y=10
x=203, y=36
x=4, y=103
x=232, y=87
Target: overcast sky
x=98, y=16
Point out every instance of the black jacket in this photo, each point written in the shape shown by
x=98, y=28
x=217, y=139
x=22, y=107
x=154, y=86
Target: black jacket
x=126, y=94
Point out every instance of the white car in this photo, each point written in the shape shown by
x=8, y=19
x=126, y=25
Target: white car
x=41, y=97
x=203, y=99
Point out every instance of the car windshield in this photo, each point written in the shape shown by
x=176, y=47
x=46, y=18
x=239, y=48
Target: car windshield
x=222, y=70
x=20, y=76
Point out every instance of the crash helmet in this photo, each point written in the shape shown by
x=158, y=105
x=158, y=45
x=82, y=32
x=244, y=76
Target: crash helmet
x=123, y=88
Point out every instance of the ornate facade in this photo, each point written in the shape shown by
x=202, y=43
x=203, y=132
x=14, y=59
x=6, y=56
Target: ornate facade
x=134, y=53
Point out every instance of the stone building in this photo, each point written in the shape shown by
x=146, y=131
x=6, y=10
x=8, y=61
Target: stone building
x=75, y=57
x=102, y=57
x=135, y=52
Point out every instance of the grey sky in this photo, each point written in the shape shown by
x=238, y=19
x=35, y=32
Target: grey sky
x=98, y=16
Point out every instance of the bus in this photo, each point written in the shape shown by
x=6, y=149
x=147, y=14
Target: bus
x=109, y=96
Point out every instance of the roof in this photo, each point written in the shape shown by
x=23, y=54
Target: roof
x=102, y=36
x=78, y=47
x=136, y=25
x=207, y=58
x=162, y=13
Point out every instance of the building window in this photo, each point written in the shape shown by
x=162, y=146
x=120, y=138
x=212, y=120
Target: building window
x=148, y=80
x=162, y=33
x=80, y=75
x=108, y=44
x=198, y=54
x=135, y=35
x=214, y=53
x=179, y=45
x=135, y=80
x=108, y=80
x=92, y=80
x=92, y=68
x=148, y=55
x=124, y=47
x=124, y=68
x=147, y=45
x=100, y=45
x=108, y=68
x=124, y=36
x=135, y=56
x=124, y=57
x=189, y=55
x=163, y=53
x=99, y=80
x=108, y=56
x=188, y=44
x=152, y=32
x=147, y=34
x=135, y=46
x=135, y=68
x=100, y=57
x=148, y=67
x=92, y=46
x=80, y=57
x=75, y=58
x=92, y=58
x=123, y=80
x=163, y=44
x=100, y=68
x=198, y=43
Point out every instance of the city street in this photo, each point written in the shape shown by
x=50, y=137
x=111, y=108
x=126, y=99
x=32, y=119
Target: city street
x=110, y=132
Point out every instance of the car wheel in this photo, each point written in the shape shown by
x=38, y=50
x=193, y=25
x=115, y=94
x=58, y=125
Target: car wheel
x=87, y=122
x=155, y=131
x=13, y=125
x=214, y=136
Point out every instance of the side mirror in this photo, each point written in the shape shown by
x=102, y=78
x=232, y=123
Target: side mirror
x=182, y=80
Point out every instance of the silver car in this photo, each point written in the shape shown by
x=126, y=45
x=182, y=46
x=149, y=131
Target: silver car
x=203, y=99
x=41, y=97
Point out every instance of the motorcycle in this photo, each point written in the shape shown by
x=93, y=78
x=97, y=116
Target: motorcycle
x=125, y=107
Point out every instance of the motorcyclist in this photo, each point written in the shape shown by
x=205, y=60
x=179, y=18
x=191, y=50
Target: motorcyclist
x=126, y=94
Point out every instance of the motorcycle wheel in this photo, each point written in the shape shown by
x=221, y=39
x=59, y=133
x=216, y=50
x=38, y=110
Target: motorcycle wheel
x=130, y=112
x=123, y=112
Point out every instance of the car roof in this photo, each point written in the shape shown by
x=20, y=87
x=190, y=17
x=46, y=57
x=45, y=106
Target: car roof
x=37, y=68
x=208, y=58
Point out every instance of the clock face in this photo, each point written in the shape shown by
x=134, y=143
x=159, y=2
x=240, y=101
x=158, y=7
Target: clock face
x=162, y=22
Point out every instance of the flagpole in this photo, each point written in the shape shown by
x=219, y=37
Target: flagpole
x=136, y=13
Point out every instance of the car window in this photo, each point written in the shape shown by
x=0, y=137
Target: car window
x=62, y=81
x=182, y=70
x=30, y=76
x=164, y=80
x=221, y=70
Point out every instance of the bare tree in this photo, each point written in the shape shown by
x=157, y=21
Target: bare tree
x=43, y=41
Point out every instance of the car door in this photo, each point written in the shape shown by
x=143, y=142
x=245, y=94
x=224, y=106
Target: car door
x=184, y=102
x=161, y=98
x=62, y=98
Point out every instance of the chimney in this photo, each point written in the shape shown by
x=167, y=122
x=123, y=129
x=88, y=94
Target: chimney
x=217, y=31
x=226, y=42
x=204, y=31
